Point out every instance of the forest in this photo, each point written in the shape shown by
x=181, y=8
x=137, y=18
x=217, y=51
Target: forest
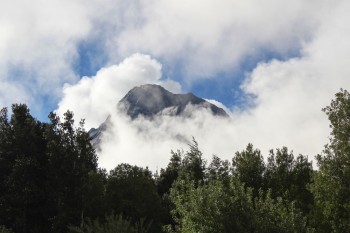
x=50, y=182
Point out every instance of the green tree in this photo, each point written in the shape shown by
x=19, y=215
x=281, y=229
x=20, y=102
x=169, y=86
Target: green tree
x=302, y=178
x=170, y=174
x=219, y=170
x=193, y=164
x=220, y=206
x=214, y=207
x=94, y=199
x=279, y=172
x=289, y=178
x=113, y=224
x=131, y=191
x=71, y=159
x=5, y=230
x=165, y=181
x=331, y=186
x=248, y=167
x=24, y=162
x=6, y=163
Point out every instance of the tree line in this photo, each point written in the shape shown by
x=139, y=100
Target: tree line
x=50, y=182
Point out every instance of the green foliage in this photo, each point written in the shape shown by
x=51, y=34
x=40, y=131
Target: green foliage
x=113, y=224
x=23, y=161
x=279, y=171
x=193, y=165
x=248, y=168
x=130, y=190
x=44, y=167
x=49, y=180
x=94, y=204
x=170, y=174
x=71, y=159
x=5, y=230
x=215, y=208
x=219, y=170
x=331, y=187
x=288, y=177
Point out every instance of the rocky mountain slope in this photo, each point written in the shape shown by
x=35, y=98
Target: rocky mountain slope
x=151, y=100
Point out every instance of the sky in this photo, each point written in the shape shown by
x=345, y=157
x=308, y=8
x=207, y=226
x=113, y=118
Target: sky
x=272, y=65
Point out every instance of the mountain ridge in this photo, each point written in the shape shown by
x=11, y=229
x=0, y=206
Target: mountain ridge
x=151, y=99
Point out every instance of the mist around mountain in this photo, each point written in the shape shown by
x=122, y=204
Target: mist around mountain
x=284, y=117
x=150, y=101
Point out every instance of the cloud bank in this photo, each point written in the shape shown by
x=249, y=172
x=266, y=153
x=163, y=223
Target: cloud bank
x=37, y=48
x=95, y=98
x=211, y=36
x=40, y=42
x=185, y=41
x=285, y=109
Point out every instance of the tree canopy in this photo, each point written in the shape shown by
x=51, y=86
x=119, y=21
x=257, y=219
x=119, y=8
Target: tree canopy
x=50, y=182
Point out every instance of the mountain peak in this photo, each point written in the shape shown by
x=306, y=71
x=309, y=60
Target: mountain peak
x=151, y=99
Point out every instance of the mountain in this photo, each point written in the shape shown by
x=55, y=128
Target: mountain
x=149, y=100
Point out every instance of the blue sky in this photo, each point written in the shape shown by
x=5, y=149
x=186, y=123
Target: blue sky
x=291, y=60
x=196, y=44
x=223, y=86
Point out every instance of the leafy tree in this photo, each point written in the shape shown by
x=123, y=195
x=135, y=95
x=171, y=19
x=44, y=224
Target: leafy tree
x=5, y=230
x=220, y=206
x=131, y=191
x=94, y=200
x=279, y=172
x=170, y=174
x=165, y=181
x=274, y=215
x=215, y=208
x=249, y=168
x=331, y=186
x=71, y=159
x=219, y=170
x=44, y=169
x=113, y=224
x=193, y=165
x=24, y=161
x=288, y=177
x=302, y=178
x=6, y=163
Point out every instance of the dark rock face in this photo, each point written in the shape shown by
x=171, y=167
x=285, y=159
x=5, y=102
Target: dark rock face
x=96, y=134
x=149, y=100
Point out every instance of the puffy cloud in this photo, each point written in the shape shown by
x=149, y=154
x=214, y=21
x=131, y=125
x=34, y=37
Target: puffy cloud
x=95, y=98
x=290, y=94
x=211, y=36
x=147, y=142
x=285, y=110
x=39, y=47
x=39, y=41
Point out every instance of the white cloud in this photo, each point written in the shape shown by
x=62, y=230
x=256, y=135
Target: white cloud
x=148, y=143
x=286, y=111
x=95, y=98
x=39, y=47
x=211, y=36
x=290, y=94
x=39, y=40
